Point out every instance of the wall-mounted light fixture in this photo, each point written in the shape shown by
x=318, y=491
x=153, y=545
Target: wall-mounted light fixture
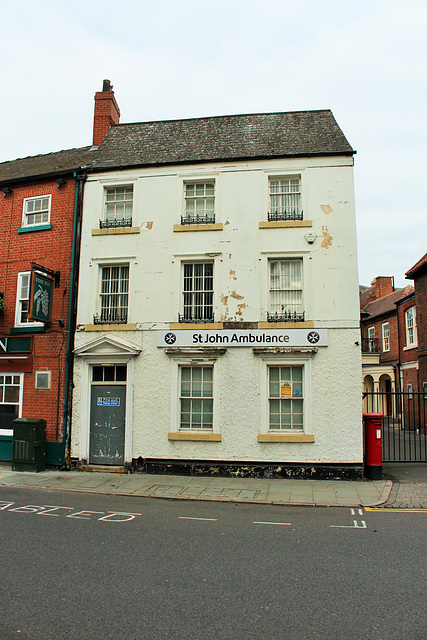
x=6, y=191
x=60, y=182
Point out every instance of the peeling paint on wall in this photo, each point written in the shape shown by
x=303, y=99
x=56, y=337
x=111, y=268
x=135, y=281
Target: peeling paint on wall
x=236, y=296
x=240, y=308
x=326, y=208
x=327, y=238
x=224, y=299
x=150, y=224
x=233, y=274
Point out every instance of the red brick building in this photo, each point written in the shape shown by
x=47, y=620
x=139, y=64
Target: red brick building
x=418, y=273
x=40, y=211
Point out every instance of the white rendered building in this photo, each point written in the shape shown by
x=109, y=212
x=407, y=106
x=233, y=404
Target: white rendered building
x=218, y=316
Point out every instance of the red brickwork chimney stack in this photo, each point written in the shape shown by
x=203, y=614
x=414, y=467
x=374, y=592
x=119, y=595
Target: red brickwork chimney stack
x=106, y=113
x=383, y=285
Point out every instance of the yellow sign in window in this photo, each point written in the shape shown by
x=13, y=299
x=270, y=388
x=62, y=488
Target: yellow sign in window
x=285, y=390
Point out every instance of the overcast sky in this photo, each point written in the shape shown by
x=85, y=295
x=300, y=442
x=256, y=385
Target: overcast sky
x=366, y=60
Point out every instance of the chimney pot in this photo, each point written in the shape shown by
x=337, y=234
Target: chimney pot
x=106, y=86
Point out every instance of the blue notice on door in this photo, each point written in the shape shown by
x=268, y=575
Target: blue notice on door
x=108, y=402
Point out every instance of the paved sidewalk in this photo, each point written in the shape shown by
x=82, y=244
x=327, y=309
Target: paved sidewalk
x=409, y=489
x=277, y=491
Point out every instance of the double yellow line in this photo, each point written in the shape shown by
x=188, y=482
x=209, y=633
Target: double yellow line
x=395, y=510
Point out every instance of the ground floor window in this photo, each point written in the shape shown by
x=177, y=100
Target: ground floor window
x=286, y=398
x=196, y=397
x=10, y=399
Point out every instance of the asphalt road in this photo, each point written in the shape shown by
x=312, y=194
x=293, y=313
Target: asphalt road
x=94, y=567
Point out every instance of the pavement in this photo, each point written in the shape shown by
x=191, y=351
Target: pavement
x=402, y=487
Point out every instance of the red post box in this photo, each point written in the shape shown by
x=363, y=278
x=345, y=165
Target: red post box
x=373, y=445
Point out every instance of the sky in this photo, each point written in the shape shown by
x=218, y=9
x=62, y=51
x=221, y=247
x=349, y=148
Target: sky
x=366, y=60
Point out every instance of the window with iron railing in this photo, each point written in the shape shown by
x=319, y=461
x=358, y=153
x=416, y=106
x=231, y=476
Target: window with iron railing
x=114, y=295
x=118, y=207
x=197, y=292
x=286, y=303
x=285, y=199
x=199, y=203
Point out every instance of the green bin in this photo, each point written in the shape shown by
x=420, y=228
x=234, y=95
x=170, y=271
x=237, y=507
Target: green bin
x=29, y=445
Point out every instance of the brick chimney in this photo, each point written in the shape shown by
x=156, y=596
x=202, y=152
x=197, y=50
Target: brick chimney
x=106, y=112
x=383, y=285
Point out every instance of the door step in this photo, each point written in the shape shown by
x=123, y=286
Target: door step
x=100, y=468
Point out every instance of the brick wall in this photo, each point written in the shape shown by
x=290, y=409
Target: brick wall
x=50, y=248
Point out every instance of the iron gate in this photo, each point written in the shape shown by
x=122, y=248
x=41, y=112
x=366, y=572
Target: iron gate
x=404, y=423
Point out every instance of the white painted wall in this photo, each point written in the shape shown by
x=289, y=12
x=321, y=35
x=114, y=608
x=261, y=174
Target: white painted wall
x=241, y=249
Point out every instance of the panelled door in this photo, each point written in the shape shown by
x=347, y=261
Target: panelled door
x=107, y=415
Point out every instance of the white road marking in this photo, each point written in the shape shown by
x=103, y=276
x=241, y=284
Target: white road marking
x=189, y=518
x=345, y=526
x=283, y=524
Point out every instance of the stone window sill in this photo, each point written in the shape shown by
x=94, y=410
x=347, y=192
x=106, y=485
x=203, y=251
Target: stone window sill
x=285, y=437
x=130, y=326
x=285, y=224
x=188, y=436
x=217, y=226
x=119, y=231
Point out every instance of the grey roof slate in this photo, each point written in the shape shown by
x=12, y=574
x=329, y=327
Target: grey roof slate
x=220, y=138
x=56, y=163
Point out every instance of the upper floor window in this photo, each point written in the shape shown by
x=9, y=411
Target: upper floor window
x=199, y=203
x=285, y=199
x=411, y=327
x=114, y=295
x=36, y=211
x=118, y=207
x=386, y=336
x=23, y=300
x=197, y=292
x=286, y=302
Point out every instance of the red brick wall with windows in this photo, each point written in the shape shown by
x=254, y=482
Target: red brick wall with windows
x=420, y=284
x=385, y=356
x=50, y=248
x=407, y=354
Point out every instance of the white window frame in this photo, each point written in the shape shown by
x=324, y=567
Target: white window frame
x=20, y=300
x=189, y=217
x=183, y=306
x=411, y=327
x=385, y=332
x=287, y=212
x=9, y=432
x=38, y=385
x=371, y=339
x=286, y=313
x=175, y=407
x=290, y=361
x=100, y=318
x=26, y=214
x=121, y=221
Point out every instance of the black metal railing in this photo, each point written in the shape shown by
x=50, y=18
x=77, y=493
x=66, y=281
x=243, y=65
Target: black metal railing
x=196, y=318
x=112, y=317
x=115, y=223
x=371, y=345
x=198, y=219
x=404, y=425
x=285, y=214
x=286, y=316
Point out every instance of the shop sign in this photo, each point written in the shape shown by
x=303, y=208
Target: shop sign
x=243, y=338
x=15, y=345
x=40, y=298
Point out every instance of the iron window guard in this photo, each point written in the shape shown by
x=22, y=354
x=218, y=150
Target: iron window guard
x=110, y=318
x=116, y=223
x=286, y=316
x=197, y=219
x=285, y=214
x=183, y=319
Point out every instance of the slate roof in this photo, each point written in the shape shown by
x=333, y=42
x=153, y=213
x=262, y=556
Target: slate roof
x=221, y=138
x=387, y=304
x=49, y=164
x=418, y=268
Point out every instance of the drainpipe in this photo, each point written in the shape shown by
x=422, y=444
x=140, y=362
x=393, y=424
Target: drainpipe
x=80, y=178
